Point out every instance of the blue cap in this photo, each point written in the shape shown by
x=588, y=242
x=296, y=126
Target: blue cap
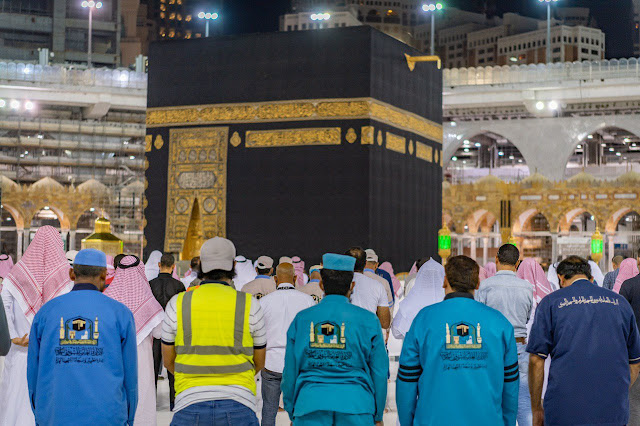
x=91, y=257
x=338, y=262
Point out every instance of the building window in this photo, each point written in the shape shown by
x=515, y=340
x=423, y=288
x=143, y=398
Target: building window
x=481, y=51
x=584, y=50
x=556, y=50
x=595, y=52
x=304, y=26
x=490, y=50
x=490, y=59
x=288, y=27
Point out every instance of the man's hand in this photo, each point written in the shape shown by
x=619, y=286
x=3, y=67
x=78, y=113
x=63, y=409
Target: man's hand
x=380, y=423
x=21, y=341
x=538, y=417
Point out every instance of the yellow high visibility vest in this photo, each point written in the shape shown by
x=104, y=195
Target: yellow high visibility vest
x=214, y=346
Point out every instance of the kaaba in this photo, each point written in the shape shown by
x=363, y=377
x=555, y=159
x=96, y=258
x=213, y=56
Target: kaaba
x=294, y=143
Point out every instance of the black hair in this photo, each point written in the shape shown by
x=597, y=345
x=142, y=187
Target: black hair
x=195, y=262
x=421, y=262
x=572, y=266
x=361, y=257
x=117, y=259
x=264, y=271
x=463, y=273
x=167, y=260
x=88, y=271
x=508, y=254
x=217, y=275
x=336, y=282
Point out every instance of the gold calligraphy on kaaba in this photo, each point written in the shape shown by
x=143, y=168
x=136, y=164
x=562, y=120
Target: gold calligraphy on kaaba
x=367, y=135
x=360, y=108
x=396, y=143
x=197, y=180
x=424, y=151
x=293, y=137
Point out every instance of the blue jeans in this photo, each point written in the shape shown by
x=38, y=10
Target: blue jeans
x=215, y=413
x=524, y=399
x=270, y=396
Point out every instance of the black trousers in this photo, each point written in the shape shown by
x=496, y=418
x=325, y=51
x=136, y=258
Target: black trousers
x=157, y=364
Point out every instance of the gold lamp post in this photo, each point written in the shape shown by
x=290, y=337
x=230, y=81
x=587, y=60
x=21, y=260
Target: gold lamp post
x=444, y=243
x=597, y=246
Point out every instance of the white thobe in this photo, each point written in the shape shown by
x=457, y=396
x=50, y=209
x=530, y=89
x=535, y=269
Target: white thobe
x=14, y=391
x=146, y=411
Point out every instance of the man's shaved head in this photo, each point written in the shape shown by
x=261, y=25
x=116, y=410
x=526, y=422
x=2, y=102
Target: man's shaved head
x=285, y=273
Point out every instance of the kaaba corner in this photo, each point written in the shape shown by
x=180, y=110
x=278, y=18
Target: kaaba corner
x=325, y=137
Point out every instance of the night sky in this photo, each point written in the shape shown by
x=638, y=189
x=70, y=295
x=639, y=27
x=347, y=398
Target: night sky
x=614, y=17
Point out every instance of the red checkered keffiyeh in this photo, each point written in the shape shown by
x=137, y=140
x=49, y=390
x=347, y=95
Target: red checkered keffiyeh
x=131, y=288
x=41, y=274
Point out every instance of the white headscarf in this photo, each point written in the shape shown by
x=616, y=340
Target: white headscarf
x=151, y=268
x=244, y=272
x=552, y=277
x=596, y=273
x=426, y=291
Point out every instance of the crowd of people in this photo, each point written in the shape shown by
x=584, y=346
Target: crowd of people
x=86, y=337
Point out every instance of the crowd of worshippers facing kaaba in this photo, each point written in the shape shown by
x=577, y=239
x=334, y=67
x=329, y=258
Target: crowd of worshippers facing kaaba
x=233, y=334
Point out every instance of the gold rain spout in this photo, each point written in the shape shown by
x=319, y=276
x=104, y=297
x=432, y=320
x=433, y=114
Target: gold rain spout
x=411, y=60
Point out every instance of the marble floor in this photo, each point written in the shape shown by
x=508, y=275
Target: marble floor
x=164, y=415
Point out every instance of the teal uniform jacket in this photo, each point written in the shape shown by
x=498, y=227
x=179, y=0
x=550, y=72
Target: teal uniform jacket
x=335, y=361
x=459, y=366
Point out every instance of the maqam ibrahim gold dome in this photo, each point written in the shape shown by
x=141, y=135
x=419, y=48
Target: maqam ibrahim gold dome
x=102, y=239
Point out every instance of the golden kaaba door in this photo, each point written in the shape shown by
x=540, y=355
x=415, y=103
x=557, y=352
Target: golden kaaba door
x=196, y=188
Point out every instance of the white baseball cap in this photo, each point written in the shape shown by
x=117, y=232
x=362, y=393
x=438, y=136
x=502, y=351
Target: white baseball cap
x=264, y=262
x=217, y=253
x=371, y=255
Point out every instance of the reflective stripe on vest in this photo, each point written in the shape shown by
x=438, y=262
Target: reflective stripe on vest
x=214, y=346
x=236, y=349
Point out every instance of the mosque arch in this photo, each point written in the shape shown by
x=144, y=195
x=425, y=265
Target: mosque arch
x=535, y=239
x=487, y=222
x=605, y=151
x=8, y=233
x=484, y=153
x=16, y=217
x=629, y=222
x=46, y=216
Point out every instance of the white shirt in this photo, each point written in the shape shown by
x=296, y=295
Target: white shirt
x=280, y=308
x=368, y=293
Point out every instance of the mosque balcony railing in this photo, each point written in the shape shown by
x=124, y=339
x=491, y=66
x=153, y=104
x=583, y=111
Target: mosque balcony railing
x=68, y=75
x=84, y=144
x=106, y=128
x=137, y=163
x=537, y=73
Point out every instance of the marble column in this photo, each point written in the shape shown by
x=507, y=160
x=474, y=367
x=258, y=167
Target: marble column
x=485, y=250
x=460, y=245
x=20, y=241
x=610, y=251
x=72, y=240
x=64, y=233
x=554, y=247
x=26, y=238
x=474, y=246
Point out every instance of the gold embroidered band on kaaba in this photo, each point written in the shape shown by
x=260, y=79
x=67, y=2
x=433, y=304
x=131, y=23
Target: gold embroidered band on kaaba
x=329, y=109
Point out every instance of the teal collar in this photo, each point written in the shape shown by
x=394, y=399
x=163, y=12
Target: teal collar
x=335, y=298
